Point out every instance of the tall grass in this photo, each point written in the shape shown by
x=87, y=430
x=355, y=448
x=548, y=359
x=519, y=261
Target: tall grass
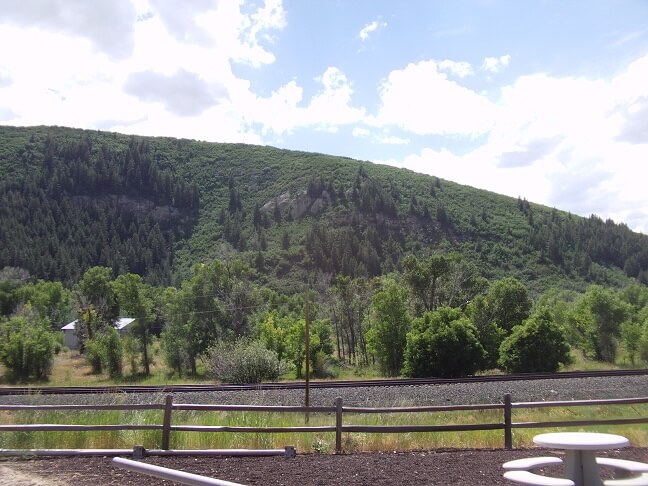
x=310, y=441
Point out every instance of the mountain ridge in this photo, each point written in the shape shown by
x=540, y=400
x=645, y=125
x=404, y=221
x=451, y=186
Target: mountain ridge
x=171, y=203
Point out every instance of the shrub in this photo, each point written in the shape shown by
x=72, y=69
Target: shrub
x=26, y=348
x=243, y=361
x=442, y=343
x=93, y=355
x=104, y=352
x=535, y=346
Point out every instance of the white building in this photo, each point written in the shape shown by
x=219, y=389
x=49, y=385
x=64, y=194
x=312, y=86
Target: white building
x=71, y=340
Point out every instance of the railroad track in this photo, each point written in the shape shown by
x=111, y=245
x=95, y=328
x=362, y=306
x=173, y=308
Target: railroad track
x=68, y=390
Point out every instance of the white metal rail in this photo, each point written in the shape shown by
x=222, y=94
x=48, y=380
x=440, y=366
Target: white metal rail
x=170, y=474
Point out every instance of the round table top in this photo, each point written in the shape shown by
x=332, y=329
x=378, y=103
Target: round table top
x=581, y=440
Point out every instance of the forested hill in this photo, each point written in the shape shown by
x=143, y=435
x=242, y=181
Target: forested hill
x=71, y=199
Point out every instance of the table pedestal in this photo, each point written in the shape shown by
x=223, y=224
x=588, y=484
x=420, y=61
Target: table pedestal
x=581, y=467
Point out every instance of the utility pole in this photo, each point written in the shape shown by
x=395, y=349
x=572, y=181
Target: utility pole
x=307, y=387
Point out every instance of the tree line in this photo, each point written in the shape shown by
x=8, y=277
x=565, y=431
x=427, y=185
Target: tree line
x=438, y=317
x=85, y=204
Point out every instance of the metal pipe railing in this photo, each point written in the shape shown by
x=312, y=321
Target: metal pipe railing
x=170, y=474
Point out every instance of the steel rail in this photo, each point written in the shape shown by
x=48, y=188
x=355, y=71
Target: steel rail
x=162, y=389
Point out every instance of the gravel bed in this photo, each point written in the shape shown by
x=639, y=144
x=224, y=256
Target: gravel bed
x=465, y=393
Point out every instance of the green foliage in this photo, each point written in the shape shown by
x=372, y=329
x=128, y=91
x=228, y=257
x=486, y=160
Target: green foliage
x=599, y=314
x=442, y=343
x=508, y=303
x=50, y=300
x=505, y=305
x=442, y=280
x=273, y=331
x=215, y=304
x=112, y=352
x=243, y=361
x=390, y=323
x=321, y=349
x=351, y=299
x=97, y=303
x=84, y=206
x=104, y=353
x=131, y=294
x=537, y=345
x=423, y=278
x=156, y=206
x=26, y=348
x=631, y=336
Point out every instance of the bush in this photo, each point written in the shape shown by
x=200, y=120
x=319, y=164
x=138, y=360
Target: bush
x=442, y=343
x=537, y=345
x=243, y=361
x=104, y=352
x=26, y=348
x=93, y=354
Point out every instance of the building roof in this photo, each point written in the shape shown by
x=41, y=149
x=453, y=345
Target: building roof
x=120, y=324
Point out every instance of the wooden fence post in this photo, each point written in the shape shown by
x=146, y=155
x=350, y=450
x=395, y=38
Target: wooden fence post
x=166, y=424
x=508, y=429
x=338, y=425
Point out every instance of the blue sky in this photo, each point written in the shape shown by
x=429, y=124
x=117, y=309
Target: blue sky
x=546, y=100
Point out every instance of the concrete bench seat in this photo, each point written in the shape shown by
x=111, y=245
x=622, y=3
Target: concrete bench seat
x=531, y=463
x=630, y=466
x=641, y=480
x=527, y=477
x=627, y=466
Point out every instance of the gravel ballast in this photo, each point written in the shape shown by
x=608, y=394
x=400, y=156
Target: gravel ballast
x=418, y=395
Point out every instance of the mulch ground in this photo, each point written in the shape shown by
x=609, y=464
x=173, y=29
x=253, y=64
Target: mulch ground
x=434, y=467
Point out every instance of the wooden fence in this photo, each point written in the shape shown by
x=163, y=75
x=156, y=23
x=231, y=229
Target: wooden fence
x=168, y=407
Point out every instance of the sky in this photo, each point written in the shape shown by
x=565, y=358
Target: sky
x=541, y=99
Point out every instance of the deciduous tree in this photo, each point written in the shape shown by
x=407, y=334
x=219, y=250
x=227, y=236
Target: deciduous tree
x=538, y=345
x=389, y=326
x=442, y=343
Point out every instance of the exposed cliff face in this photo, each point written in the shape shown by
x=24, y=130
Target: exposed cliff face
x=138, y=206
x=300, y=205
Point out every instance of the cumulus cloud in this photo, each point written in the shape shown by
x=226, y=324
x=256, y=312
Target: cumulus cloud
x=108, y=25
x=634, y=128
x=572, y=143
x=183, y=93
x=421, y=99
x=371, y=27
x=360, y=132
x=5, y=78
x=326, y=110
x=6, y=114
x=180, y=18
x=534, y=151
x=255, y=30
x=496, y=64
x=581, y=187
x=393, y=140
x=456, y=68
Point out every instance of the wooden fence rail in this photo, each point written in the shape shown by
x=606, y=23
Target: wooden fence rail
x=167, y=427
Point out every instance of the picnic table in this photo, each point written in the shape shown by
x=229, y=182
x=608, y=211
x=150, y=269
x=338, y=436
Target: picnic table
x=581, y=466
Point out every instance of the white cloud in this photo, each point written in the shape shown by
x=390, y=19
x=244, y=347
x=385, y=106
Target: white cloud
x=421, y=99
x=370, y=28
x=573, y=143
x=328, y=109
x=496, y=64
x=107, y=25
x=175, y=60
x=360, y=132
x=460, y=69
x=393, y=140
x=183, y=93
x=254, y=30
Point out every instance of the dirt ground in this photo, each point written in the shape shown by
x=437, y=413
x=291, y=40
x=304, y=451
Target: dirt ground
x=435, y=467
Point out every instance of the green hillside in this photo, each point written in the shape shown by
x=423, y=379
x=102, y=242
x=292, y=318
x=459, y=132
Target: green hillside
x=72, y=199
